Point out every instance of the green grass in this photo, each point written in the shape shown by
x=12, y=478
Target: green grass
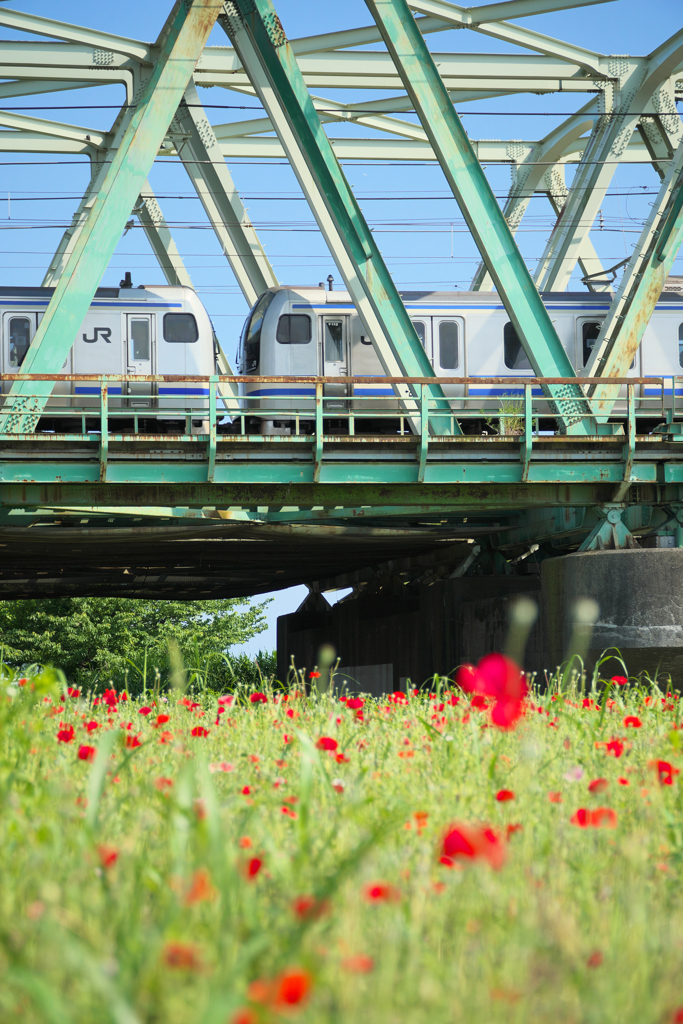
x=578, y=925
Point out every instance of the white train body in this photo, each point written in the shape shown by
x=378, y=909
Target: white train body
x=310, y=331
x=134, y=331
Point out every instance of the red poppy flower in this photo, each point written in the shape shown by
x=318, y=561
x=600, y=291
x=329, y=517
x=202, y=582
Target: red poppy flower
x=132, y=742
x=199, y=730
x=291, y=988
x=466, y=678
x=258, y=698
x=355, y=703
x=469, y=843
x=314, y=675
x=598, y=786
x=504, y=794
x=615, y=747
x=678, y=1016
x=623, y=782
x=92, y=726
x=619, y=680
x=163, y=784
x=632, y=721
x=165, y=737
x=511, y=829
x=381, y=892
x=245, y=1015
x=478, y=702
x=201, y=889
x=86, y=753
x=603, y=817
x=555, y=798
x=144, y=711
x=226, y=700
x=358, y=964
x=665, y=772
x=66, y=734
x=581, y=818
x=108, y=855
x=73, y=692
x=327, y=743
x=398, y=697
x=595, y=959
x=181, y=956
x=506, y=713
x=308, y=908
x=254, y=866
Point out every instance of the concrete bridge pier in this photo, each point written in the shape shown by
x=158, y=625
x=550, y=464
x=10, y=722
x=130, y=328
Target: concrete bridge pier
x=639, y=593
x=397, y=633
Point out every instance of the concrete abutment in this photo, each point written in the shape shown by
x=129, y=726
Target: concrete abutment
x=397, y=632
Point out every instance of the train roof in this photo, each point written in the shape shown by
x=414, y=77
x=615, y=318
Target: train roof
x=137, y=293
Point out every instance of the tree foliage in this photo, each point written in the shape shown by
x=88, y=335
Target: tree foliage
x=94, y=639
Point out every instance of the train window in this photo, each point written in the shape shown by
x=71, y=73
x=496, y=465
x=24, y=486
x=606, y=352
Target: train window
x=420, y=331
x=19, y=340
x=448, y=345
x=294, y=329
x=680, y=345
x=180, y=328
x=334, y=341
x=514, y=355
x=589, y=335
x=139, y=336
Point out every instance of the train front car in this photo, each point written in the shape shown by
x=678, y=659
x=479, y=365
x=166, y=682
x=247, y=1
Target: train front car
x=280, y=339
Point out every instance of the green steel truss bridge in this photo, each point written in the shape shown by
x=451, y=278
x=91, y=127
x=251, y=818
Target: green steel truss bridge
x=99, y=507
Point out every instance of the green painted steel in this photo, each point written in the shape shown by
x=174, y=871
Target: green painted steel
x=187, y=32
x=479, y=207
x=466, y=498
x=640, y=289
x=256, y=32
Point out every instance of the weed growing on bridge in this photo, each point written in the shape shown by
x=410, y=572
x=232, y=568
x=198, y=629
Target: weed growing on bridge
x=476, y=854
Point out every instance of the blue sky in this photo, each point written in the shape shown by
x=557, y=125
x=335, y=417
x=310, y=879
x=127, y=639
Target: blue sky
x=413, y=231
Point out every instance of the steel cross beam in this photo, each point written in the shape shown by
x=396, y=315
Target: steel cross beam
x=484, y=218
x=640, y=288
x=257, y=35
x=183, y=40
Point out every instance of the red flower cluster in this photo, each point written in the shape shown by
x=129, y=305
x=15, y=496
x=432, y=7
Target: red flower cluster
x=258, y=698
x=499, y=679
x=469, y=843
x=290, y=988
x=601, y=817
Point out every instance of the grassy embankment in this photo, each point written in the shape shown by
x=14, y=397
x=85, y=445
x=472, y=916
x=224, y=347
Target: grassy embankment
x=299, y=860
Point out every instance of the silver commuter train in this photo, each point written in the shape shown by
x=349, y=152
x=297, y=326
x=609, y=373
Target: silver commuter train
x=135, y=331
x=310, y=331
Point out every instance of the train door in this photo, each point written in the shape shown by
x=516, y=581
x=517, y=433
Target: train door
x=335, y=357
x=587, y=331
x=448, y=351
x=18, y=330
x=140, y=348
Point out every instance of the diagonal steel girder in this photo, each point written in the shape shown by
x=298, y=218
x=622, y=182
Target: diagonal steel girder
x=257, y=35
x=639, y=290
x=480, y=209
x=623, y=102
x=181, y=44
x=200, y=153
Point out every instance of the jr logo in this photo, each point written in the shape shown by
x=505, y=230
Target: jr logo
x=104, y=331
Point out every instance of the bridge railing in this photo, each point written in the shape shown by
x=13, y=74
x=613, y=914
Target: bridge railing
x=185, y=406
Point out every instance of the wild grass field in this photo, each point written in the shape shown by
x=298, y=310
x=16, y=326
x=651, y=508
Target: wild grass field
x=469, y=853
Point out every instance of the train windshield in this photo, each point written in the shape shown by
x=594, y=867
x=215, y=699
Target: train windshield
x=252, y=335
